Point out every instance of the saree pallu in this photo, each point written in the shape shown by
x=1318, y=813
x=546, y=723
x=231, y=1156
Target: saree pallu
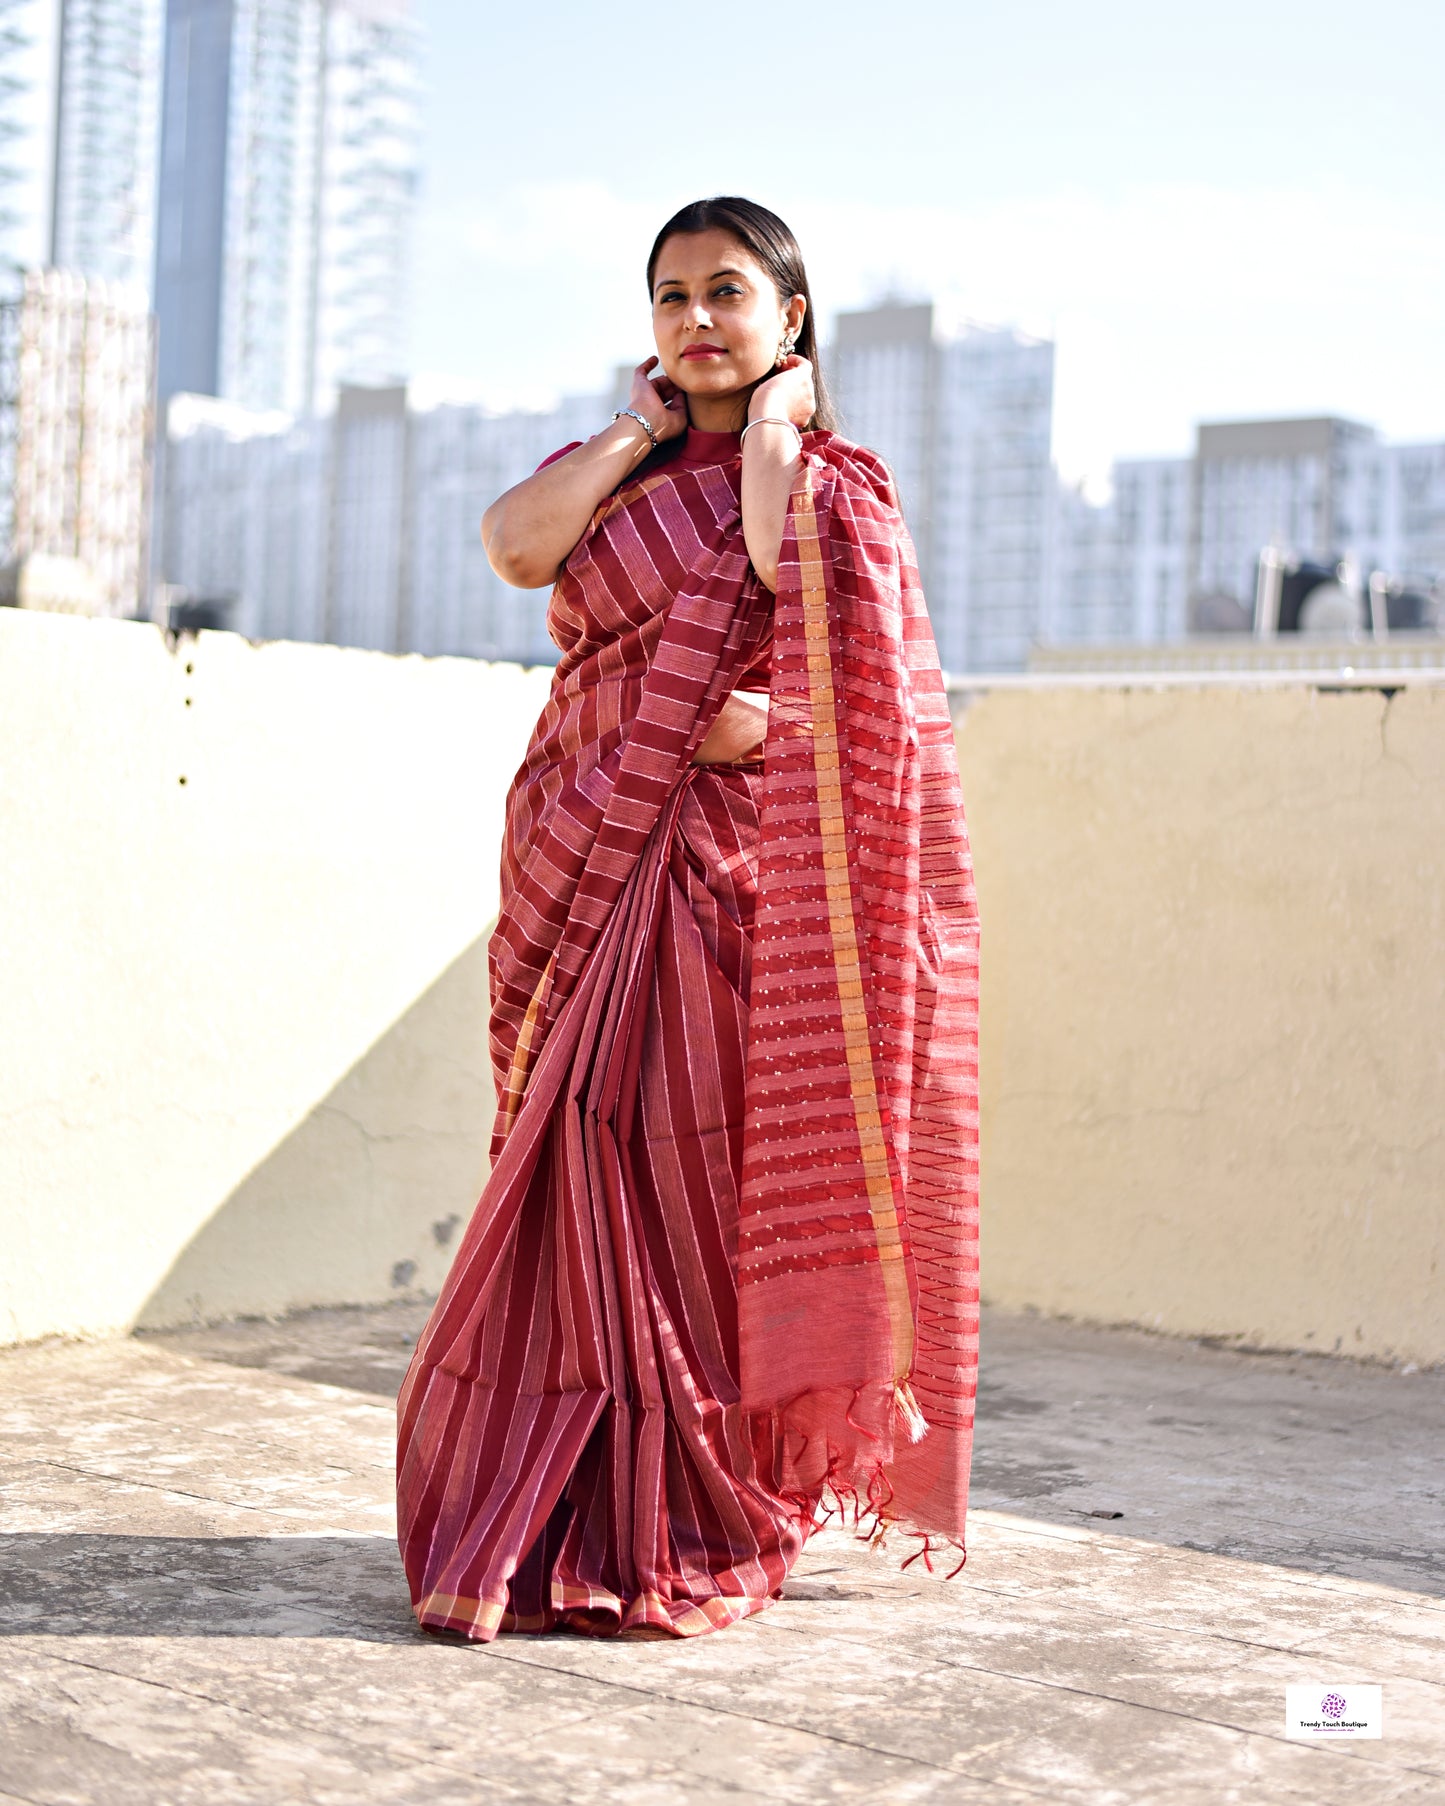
x=725, y=1264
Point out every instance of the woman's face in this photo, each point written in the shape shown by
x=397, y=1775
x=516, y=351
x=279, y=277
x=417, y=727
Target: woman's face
x=716, y=315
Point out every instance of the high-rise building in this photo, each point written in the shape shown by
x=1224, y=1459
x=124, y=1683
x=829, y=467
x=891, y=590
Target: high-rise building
x=102, y=221
x=1176, y=549
x=992, y=492
x=27, y=128
x=78, y=110
x=78, y=101
x=243, y=525
x=1085, y=600
x=1413, y=511
x=882, y=367
x=362, y=527
x=965, y=424
x=1309, y=486
x=370, y=175
x=462, y=459
x=236, y=198
x=1119, y=569
x=368, y=577
x=1151, y=515
x=289, y=175
x=75, y=441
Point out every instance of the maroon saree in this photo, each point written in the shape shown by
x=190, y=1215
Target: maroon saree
x=724, y=1268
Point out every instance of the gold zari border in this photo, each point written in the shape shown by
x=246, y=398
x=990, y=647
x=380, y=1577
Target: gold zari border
x=846, y=961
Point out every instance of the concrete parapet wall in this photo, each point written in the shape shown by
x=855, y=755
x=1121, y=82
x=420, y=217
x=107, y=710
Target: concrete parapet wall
x=243, y=1055
x=1214, y=1008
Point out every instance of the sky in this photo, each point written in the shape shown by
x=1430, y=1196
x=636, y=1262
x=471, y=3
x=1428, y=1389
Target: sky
x=1217, y=211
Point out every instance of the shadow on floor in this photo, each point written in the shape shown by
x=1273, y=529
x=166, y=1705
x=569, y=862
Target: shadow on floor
x=1301, y=1461
x=85, y=1585
x=88, y=1585
x=364, y=1348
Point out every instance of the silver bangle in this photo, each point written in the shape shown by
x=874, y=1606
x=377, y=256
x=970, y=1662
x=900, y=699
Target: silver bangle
x=642, y=421
x=771, y=420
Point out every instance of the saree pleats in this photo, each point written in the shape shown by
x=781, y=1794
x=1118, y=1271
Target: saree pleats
x=725, y=1262
x=598, y=1470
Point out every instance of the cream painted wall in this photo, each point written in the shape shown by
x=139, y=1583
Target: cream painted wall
x=1214, y=1009
x=242, y=1019
x=242, y=1061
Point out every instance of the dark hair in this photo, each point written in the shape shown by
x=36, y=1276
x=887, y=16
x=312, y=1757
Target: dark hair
x=773, y=245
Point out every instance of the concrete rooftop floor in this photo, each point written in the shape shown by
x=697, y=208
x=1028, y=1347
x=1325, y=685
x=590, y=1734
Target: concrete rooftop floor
x=200, y=1601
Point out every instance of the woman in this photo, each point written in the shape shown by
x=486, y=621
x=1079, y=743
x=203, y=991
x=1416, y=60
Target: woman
x=724, y=1265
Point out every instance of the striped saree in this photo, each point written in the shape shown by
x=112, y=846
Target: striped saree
x=723, y=1275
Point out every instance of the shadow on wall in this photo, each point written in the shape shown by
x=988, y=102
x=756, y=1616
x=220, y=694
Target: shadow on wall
x=363, y=1200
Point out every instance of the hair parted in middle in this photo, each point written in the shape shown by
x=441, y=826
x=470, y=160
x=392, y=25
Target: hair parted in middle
x=769, y=240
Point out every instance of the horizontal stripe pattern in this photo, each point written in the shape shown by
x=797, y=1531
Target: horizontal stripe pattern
x=862, y=1090
x=726, y=1255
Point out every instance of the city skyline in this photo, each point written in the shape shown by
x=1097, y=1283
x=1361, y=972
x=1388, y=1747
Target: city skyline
x=1230, y=223
x=276, y=165
x=361, y=527
x=1217, y=219
x=249, y=165
x=287, y=196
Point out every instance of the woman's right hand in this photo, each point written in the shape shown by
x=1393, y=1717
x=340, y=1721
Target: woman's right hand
x=531, y=529
x=659, y=400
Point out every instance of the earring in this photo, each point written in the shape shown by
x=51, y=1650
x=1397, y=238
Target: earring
x=785, y=349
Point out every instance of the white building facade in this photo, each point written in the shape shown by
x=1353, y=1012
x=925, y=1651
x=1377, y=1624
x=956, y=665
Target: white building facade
x=965, y=424
x=1151, y=511
x=27, y=128
x=1413, y=511
x=1176, y=549
x=104, y=172
x=79, y=93
x=1120, y=571
x=369, y=188
x=289, y=178
x=243, y=517
x=363, y=527
x=1307, y=487
x=76, y=435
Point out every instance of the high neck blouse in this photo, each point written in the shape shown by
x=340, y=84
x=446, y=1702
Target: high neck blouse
x=700, y=448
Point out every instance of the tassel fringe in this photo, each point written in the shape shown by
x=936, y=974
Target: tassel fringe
x=868, y=1513
x=906, y=1405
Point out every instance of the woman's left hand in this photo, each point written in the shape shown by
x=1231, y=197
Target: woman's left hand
x=771, y=460
x=788, y=394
